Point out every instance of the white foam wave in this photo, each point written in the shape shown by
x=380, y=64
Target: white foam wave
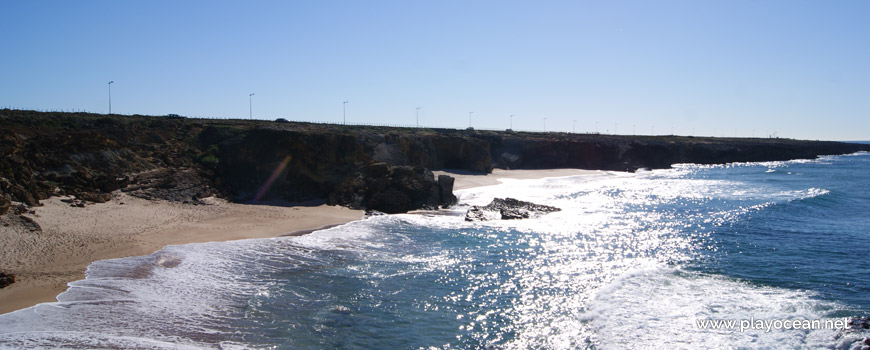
x=660, y=308
x=610, y=223
x=88, y=340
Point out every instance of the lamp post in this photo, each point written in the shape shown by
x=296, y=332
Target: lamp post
x=596, y=127
x=512, y=122
x=545, y=124
x=418, y=117
x=251, y=106
x=110, y=96
x=469, y=118
x=344, y=112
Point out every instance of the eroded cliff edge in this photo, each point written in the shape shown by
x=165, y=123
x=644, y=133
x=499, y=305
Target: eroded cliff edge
x=385, y=169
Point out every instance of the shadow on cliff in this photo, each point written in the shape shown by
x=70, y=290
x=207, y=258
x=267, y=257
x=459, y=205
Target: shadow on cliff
x=386, y=169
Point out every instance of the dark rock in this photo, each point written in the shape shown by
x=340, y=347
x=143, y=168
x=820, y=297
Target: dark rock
x=445, y=187
x=74, y=202
x=171, y=184
x=95, y=197
x=18, y=209
x=391, y=189
x=507, y=209
x=179, y=159
x=629, y=153
x=390, y=200
x=6, y=279
x=22, y=221
x=859, y=322
x=5, y=203
x=514, y=213
x=23, y=195
x=477, y=213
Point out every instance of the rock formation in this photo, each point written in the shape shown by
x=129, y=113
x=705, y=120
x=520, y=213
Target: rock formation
x=174, y=158
x=5, y=202
x=507, y=209
x=394, y=189
x=6, y=279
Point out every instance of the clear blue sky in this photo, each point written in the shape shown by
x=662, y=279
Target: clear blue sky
x=799, y=68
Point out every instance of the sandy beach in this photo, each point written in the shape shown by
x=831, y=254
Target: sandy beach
x=73, y=237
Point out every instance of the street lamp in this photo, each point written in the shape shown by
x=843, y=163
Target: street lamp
x=545, y=124
x=418, y=117
x=344, y=112
x=469, y=118
x=251, y=106
x=110, y=96
x=512, y=122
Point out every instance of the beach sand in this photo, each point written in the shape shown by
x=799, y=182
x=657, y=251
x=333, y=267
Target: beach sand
x=72, y=237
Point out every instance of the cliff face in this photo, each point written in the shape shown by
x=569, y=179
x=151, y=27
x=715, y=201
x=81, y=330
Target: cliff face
x=629, y=153
x=386, y=169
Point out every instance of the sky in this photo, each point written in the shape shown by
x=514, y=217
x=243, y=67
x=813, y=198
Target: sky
x=797, y=69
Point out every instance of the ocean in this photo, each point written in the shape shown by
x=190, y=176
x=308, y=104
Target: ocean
x=738, y=256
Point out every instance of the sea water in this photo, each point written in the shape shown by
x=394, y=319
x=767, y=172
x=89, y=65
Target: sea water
x=633, y=260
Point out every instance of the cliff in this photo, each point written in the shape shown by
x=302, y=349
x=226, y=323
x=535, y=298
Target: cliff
x=385, y=169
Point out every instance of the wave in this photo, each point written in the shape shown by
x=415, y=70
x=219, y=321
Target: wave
x=666, y=308
x=616, y=268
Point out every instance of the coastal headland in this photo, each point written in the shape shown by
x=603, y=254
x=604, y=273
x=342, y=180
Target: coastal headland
x=77, y=187
x=362, y=167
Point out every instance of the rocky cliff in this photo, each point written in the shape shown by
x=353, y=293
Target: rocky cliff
x=385, y=169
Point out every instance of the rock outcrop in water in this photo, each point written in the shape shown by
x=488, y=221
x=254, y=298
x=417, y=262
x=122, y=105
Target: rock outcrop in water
x=179, y=159
x=507, y=209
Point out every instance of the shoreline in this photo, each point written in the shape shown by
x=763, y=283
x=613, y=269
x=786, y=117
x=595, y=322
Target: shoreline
x=466, y=179
x=127, y=226
x=72, y=238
